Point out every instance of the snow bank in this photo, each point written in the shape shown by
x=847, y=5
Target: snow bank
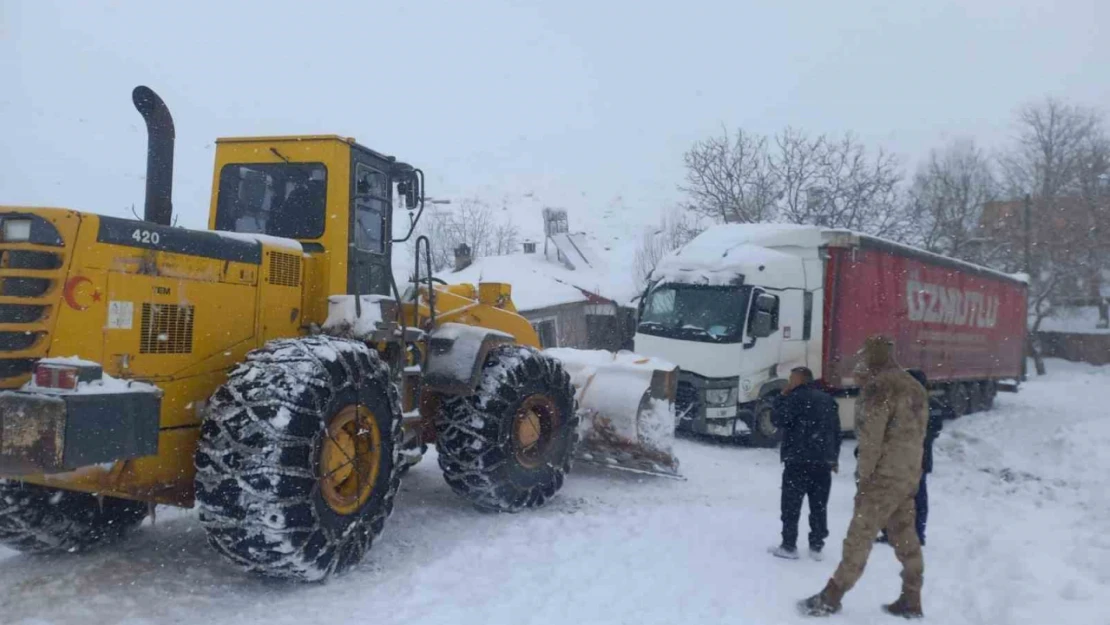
x=713, y=267
x=536, y=282
x=291, y=245
x=343, y=318
x=723, y=253
x=106, y=385
x=1017, y=535
x=72, y=361
x=616, y=413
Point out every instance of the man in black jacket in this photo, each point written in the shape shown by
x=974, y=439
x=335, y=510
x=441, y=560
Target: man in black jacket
x=938, y=412
x=810, y=425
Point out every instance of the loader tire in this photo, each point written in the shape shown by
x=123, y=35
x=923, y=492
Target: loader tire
x=298, y=460
x=39, y=520
x=509, y=446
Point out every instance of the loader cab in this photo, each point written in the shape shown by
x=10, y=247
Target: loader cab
x=333, y=195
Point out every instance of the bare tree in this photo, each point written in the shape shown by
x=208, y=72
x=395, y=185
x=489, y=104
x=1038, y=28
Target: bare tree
x=797, y=164
x=1059, y=158
x=730, y=179
x=472, y=222
x=675, y=230
x=946, y=201
x=505, y=239
x=855, y=191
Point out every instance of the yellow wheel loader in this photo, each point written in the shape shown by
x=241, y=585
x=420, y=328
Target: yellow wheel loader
x=269, y=371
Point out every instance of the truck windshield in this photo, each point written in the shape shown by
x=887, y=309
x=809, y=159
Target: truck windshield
x=278, y=199
x=696, y=313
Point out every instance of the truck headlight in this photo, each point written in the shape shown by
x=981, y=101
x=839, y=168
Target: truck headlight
x=720, y=396
x=17, y=230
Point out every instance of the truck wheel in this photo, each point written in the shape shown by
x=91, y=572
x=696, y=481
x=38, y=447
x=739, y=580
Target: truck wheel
x=298, y=460
x=990, y=390
x=958, y=399
x=39, y=520
x=974, y=397
x=509, y=445
x=764, y=432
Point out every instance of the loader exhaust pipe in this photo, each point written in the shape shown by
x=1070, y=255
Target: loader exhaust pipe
x=159, y=155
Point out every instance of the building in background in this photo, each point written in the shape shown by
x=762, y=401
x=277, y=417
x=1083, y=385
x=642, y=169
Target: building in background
x=564, y=288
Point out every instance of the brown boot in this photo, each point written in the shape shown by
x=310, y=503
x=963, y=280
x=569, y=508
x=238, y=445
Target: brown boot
x=908, y=605
x=823, y=603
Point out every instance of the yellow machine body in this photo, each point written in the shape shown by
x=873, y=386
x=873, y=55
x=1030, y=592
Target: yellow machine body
x=178, y=309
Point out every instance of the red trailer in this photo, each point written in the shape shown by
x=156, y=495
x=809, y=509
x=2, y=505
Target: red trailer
x=961, y=324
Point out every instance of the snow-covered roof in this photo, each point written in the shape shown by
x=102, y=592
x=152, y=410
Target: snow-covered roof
x=1073, y=320
x=722, y=253
x=536, y=282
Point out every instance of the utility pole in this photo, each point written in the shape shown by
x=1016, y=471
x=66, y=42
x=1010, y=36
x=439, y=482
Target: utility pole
x=1027, y=226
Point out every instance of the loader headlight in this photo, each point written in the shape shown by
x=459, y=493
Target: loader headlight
x=17, y=230
x=720, y=396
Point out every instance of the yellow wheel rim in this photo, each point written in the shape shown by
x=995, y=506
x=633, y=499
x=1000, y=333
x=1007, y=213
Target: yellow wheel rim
x=534, y=427
x=350, y=459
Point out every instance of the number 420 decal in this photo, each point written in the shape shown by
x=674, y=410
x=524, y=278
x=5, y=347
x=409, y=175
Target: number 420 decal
x=145, y=236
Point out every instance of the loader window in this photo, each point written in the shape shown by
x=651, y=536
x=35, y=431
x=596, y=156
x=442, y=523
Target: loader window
x=372, y=195
x=277, y=199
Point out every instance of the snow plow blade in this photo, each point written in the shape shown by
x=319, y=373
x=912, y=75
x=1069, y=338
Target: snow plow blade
x=626, y=409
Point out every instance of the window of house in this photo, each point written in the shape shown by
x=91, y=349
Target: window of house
x=547, y=331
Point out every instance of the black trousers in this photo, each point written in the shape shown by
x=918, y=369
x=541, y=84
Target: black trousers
x=801, y=480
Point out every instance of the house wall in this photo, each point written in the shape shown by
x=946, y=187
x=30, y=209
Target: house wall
x=1090, y=348
x=574, y=327
x=570, y=323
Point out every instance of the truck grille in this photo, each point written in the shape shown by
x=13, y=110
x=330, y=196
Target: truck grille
x=31, y=279
x=686, y=400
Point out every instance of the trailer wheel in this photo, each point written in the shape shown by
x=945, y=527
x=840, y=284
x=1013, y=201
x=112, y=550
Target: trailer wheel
x=958, y=399
x=39, y=520
x=298, y=460
x=509, y=445
x=990, y=391
x=764, y=432
x=975, y=399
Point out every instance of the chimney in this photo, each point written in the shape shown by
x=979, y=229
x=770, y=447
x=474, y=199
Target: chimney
x=159, y=155
x=529, y=247
x=463, y=257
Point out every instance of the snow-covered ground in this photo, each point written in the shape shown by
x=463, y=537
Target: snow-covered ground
x=1019, y=534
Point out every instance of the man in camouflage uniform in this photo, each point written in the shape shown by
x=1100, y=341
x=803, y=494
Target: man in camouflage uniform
x=890, y=426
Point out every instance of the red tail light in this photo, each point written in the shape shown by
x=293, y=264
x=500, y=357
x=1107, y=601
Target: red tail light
x=54, y=376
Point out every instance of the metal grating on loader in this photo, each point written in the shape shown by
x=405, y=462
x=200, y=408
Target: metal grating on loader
x=166, y=329
x=285, y=269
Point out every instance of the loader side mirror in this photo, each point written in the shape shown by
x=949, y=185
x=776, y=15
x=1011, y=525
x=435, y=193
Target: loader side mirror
x=409, y=190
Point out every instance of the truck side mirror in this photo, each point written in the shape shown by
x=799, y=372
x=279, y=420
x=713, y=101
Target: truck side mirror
x=762, y=325
x=409, y=190
x=764, y=320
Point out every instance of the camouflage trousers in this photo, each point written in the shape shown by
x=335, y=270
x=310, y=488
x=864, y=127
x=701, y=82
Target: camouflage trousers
x=883, y=503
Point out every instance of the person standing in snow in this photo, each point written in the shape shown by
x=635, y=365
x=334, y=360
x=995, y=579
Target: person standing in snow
x=938, y=412
x=810, y=424
x=890, y=426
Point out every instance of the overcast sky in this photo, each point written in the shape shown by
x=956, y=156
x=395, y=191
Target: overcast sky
x=578, y=102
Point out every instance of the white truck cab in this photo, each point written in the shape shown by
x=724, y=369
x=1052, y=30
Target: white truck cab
x=736, y=309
